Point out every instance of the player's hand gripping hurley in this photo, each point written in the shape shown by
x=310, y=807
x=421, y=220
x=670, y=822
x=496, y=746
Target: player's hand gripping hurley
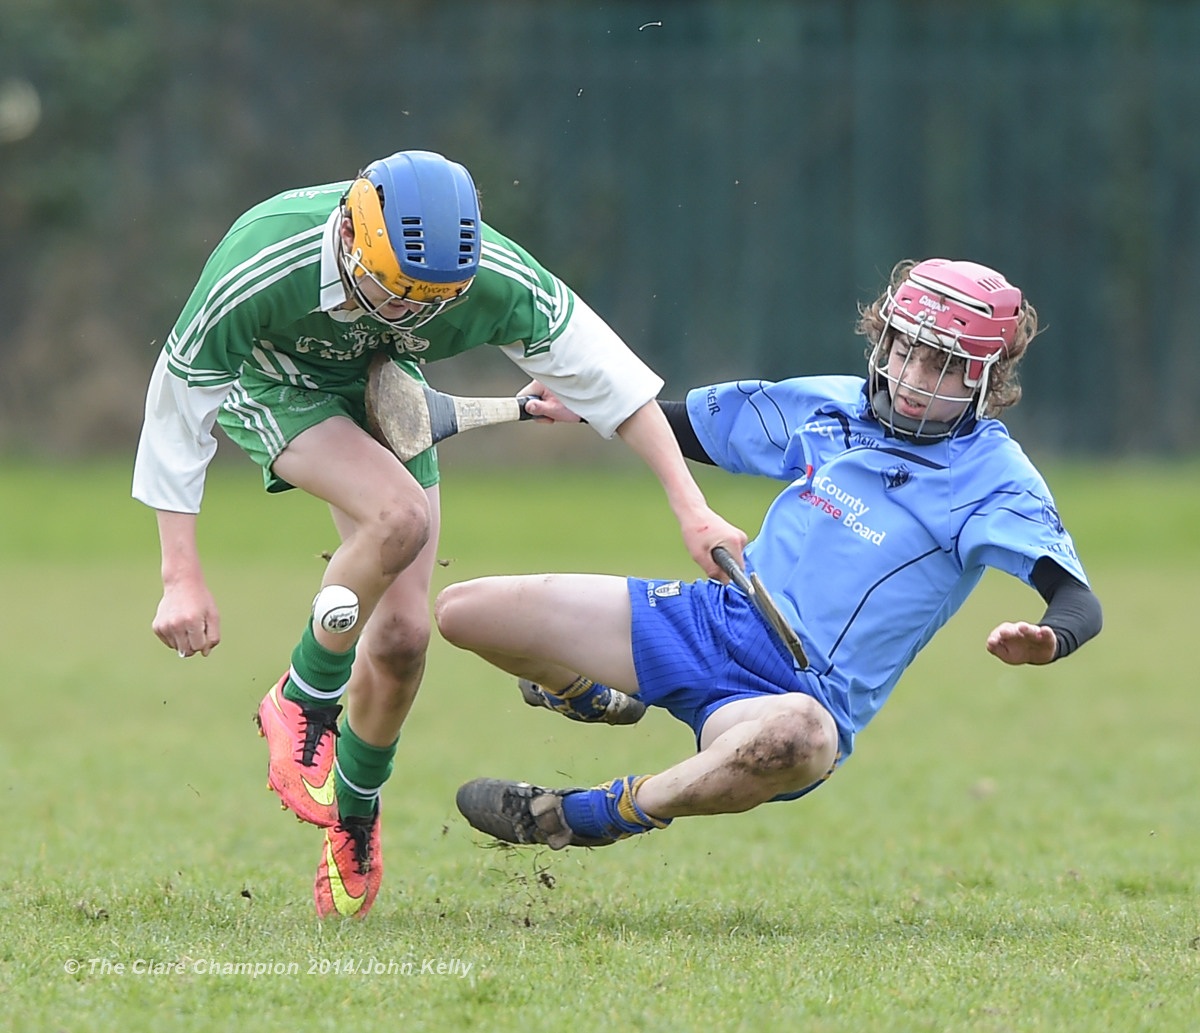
x=761, y=598
x=412, y=416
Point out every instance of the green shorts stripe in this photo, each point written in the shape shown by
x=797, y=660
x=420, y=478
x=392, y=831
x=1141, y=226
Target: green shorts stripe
x=261, y=415
x=255, y=419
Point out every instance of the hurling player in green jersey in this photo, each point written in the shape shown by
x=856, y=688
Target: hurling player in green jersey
x=274, y=343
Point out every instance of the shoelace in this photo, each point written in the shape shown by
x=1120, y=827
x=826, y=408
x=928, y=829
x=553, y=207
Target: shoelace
x=317, y=721
x=359, y=831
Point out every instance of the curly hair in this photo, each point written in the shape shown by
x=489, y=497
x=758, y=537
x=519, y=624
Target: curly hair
x=1003, y=389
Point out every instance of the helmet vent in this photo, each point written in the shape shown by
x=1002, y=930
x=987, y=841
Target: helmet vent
x=414, y=238
x=468, y=243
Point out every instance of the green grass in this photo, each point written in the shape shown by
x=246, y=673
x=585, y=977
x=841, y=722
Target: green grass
x=1011, y=849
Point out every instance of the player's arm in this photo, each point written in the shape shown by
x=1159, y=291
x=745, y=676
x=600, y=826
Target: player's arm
x=589, y=372
x=685, y=434
x=187, y=619
x=752, y=426
x=194, y=375
x=662, y=435
x=547, y=408
x=649, y=435
x=1073, y=616
x=174, y=450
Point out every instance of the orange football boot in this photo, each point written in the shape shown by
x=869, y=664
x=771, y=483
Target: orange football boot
x=351, y=868
x=302, y=740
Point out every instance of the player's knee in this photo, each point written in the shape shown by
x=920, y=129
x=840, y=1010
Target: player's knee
x=797, y=743
x=400, y=526
x=456, y=612
x=398, y=642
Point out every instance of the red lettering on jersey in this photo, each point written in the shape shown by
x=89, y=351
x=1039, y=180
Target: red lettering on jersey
x=821, y=503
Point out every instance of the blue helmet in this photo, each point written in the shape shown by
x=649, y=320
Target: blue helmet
x=417, y=234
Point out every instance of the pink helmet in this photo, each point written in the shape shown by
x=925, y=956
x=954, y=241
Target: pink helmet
x=961, y=307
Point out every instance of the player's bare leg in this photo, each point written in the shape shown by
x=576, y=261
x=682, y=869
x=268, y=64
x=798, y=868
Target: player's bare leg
x=384, y=521
x=388, y=666
x=381, y=513
x=546, y=627
x=756, y=749
x=390, y=660
x=388, y=526
x=516, y=623
x=551, y=626
x=751, y=751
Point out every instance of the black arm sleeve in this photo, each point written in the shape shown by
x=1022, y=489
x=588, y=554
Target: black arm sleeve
x=689, y=444
x=1072, y=609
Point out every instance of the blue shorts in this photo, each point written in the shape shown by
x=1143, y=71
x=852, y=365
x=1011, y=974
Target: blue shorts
x=699, y=645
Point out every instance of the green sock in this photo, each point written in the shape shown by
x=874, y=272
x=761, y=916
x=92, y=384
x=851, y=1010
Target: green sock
x=360, y=770
x=318, y=676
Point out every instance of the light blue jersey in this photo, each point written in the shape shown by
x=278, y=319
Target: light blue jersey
x=876, y=542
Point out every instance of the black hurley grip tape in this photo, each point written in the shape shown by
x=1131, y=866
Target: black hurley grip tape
x=443, y=418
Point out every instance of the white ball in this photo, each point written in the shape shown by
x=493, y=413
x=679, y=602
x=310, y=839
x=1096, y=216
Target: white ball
x=336, y=609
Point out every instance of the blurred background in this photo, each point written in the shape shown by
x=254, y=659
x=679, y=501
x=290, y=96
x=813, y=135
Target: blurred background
x=723, y=181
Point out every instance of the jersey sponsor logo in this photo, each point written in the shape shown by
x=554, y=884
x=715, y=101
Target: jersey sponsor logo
x=832, y=430
x=822, y=428
x=311, y=192
x=853, y=503
x=406, y=341
x=357, y=341
x=359, y=338
x=1064, y=548
x=896, y=477
x=843, y=506
x=817, y=502
x=864, y=440
x=1051, y=517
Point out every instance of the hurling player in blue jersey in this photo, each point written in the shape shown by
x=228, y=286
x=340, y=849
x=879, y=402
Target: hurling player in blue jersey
x=901, y=488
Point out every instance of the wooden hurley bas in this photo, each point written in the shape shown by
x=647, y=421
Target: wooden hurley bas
x=410, y=416
x=756, y=590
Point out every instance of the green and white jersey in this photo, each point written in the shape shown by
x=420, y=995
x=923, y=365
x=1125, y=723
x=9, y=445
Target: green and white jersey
x=271, y=299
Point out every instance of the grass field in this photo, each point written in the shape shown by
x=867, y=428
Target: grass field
x=1009, y=850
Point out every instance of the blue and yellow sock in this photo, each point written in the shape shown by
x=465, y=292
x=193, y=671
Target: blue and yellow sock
x=318, y=676
x=360, y=770
x=610, y=811
x=583, y=699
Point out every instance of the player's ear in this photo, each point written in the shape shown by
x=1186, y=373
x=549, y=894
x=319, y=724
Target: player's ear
x=346, y=229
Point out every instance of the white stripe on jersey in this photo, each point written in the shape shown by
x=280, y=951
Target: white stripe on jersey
x=280, y=367
x=233, y=303
x=265, y=365
x=194, y=377
x=304, y=246
x=507, y=263
x=561, y=308
x=257, y=418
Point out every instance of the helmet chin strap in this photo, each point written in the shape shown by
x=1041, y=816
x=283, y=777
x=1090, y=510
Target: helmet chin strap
x=919, y=432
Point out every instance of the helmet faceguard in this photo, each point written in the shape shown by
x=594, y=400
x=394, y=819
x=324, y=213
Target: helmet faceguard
x=967, y=312
x=416, y=226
